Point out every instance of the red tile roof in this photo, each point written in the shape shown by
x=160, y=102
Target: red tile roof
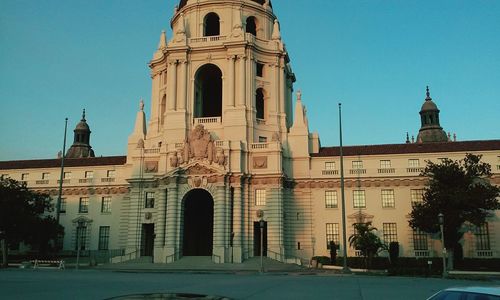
x=410, y=148
x=69, y=162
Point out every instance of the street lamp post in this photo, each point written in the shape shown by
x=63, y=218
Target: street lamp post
x=441, y=226
x=261, y=223
x=79, y=241
x=345, y=268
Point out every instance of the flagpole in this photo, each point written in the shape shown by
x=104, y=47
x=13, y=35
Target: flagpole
x=58, y=205
x=345, y=268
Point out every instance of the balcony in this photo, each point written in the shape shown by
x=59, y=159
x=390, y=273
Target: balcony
x=207, y=39
x=207, y=120
x=64, y=181
x=421, y=253
x=386, y=171
x=330, y=172
x=357, y=171
x=86, y=180
x=152, y=151
x=414, y=170
x=44, y=181
x=484, y=253
x=108, y=179
x=259, y=146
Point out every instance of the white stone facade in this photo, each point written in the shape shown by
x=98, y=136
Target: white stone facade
x=221, y=121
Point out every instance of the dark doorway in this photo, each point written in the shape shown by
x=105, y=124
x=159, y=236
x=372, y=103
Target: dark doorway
x=208, y=92
x=259, y=103
x=256, y=239
x=212, y=25
x=198, y=223
x=147, y=239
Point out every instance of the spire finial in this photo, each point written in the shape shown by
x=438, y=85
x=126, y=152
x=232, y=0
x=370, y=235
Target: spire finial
x=407, y=138
x=299, y=95
x=141, y=104
x=83, y=115
x=427, y=93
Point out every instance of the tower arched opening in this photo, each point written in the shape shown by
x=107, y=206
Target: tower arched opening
x=251, y=26
x=211, y=25
x=163, y=107
x=208, y=92
x=260, y=103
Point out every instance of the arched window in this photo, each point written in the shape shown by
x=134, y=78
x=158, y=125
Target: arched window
x=208, y=92
x=163, y=107
x=211, y=25
x=251, y=26
x=259, y=103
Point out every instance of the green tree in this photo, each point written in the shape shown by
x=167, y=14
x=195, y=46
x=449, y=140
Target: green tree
x=24, y=217
x=461, y=191
x=365, y=240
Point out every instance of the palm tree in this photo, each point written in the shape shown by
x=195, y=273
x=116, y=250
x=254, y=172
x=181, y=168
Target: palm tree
x=365, y=240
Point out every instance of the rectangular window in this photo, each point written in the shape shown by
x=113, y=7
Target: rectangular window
x=262, y=139
x=260, y=197
x=106, y=204
x=385, y=164
x=357, y=164
x=332, y=234
x=390, y=232
x=150, y=200
x=260, y=70
x=413, y=163
x=359, y=199
x=24, y=176
x=103, y=238
x=482, y=237
x=81, y=237
x=63, y=206
x=110, y=173
x=417, y=196
x=89, y=174
x=330, y=165
x=331, y=200
x=67, y=175
x=388, y=198
x=84, y=205
x=45, y=176
x=419, y=240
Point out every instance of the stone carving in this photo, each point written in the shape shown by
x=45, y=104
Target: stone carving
x=174, y=160
x=220, y=158
x=276, y=137
x=140, y=144
x=260, y=162
x=199, y=145
x=151, y=167
x=198, y=170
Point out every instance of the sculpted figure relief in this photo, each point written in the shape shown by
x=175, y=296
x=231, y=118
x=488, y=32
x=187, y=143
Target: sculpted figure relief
x=199, y=145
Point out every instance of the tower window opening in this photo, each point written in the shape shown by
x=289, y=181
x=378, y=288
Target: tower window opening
x=259, y=103
x=260, y=70
x=208, y=92
x=211, y=25
x=251, y=26
x=162, y=109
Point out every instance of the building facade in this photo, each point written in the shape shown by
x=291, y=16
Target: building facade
x=225, y=147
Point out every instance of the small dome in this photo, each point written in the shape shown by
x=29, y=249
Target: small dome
x=183, y=3
x=82, y=126
x=429, y=105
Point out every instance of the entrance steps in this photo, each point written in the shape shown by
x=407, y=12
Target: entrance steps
x=203, y=264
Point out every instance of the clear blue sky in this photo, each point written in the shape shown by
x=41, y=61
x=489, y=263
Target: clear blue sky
x=376, y=56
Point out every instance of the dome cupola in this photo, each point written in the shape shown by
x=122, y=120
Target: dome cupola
x=430, y=130
x=81, y=142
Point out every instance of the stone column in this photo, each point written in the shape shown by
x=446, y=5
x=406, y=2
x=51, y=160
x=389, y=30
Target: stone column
x=172, y=85
x=276, y=87
x=160, y=204
x=242, y=83
x=237, y=225
x=181, y=100
x=172, y=224
x=281, y=70
x=219, y=224
x=231, y=82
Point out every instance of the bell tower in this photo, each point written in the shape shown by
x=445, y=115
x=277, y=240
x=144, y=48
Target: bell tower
x=226, y=68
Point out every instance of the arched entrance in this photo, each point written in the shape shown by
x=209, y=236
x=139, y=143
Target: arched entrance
x=198, y=223
x=208, y=92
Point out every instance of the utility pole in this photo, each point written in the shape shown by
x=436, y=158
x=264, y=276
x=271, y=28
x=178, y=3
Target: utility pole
x=345, y=268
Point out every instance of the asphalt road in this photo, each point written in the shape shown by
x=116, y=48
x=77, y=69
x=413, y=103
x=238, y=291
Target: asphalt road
x=95, y=284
